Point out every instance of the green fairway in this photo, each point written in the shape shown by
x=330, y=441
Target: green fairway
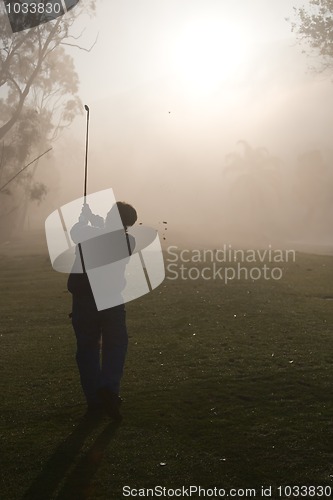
x=225, y=386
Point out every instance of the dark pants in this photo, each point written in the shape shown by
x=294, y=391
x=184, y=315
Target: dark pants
x=99, y=332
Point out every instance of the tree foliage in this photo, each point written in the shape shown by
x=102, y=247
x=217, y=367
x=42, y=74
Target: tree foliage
x=255, y=190
x=38, y=93
x=35, y=68
x=314, y=26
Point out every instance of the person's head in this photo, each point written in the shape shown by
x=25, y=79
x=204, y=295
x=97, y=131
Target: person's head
x=127, y=214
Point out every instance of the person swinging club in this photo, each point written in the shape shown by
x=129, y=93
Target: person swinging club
x=101, y=335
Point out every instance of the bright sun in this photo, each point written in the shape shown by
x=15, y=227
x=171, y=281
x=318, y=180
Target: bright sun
x=207, y=53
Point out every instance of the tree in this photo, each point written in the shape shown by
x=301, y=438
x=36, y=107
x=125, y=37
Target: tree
x=38, y=96
x=255, y=192
x=34, y=62
x=314, y=26
x=313, y=190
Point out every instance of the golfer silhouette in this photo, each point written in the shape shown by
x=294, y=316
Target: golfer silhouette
x=101, y=335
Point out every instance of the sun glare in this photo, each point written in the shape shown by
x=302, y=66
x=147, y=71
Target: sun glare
x=208, y=53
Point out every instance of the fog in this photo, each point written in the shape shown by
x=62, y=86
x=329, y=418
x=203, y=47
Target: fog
x=249, y=166
x=246, y=161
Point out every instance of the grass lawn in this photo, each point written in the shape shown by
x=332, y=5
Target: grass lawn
x=225, y=385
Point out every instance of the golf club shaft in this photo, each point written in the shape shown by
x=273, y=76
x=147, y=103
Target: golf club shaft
x=86, y=160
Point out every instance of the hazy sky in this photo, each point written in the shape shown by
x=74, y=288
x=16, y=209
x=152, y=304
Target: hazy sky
x=172, y=86
x=203, y=60
x=139, y=41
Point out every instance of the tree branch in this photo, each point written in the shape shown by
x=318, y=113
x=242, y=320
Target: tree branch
x=79, y=46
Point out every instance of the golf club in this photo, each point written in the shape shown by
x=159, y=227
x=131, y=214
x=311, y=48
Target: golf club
x=86, y=161
x=85, y=181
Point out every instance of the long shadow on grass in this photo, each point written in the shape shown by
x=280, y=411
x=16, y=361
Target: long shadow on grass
x=78, y=481
x=78, y=484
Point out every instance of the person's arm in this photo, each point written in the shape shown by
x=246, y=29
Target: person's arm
x=96, y=221
x=82, y=231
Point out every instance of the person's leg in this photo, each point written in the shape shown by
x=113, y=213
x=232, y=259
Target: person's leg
x=114, y=347
x=85, y=322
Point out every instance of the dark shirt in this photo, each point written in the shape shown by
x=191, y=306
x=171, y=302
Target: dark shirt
x=98, y=247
